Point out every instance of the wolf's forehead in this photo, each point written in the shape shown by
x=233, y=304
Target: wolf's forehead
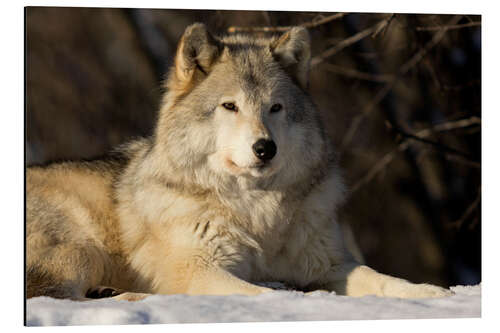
x=256, y=71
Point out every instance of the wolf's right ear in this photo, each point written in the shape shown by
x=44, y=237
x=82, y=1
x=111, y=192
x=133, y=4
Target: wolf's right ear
x=293, y=51
x=197, y=51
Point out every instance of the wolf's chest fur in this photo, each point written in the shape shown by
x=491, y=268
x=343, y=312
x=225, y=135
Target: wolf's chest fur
x=257, y=234
x=290, y=231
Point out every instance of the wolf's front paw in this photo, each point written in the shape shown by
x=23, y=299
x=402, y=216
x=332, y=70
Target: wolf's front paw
x=103, y=292
x=410, y=290
x=131, y=297
x=428, y=290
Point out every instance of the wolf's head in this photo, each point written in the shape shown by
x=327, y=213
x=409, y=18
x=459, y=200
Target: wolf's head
x=237, y=106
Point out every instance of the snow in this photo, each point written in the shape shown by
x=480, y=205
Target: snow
x=279, y=305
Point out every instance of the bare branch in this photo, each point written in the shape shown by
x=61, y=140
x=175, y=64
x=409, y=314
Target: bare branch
x=461, y=160
x=356, y=122
x=468, y=212
x=383, y=27
x=234, y=29
x=450, y=27
x=379, y=166
x=422, y=134
x=449, y=125
x=474, y=222
x=382, y=93
x=357, y=74
x=436, y=145
x=313, y=24
x=349, y=41
x=323, y=20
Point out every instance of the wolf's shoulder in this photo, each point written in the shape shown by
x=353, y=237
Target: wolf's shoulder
x=114, y=161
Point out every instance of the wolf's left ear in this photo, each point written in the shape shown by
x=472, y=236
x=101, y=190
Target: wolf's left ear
x=293, y=51
x=197, y=51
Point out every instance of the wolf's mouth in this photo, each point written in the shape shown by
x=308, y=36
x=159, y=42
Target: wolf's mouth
x=260, y=165
x=232, y=166
x=255, y=169
x=257, y=166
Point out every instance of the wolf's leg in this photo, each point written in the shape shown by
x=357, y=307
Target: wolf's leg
x=213, y=281
x=130, y=296
x=117, y=294
x=51, y=288
x=101, y=292
x=205, y=280
x=64, y=270
x=63, y=260
x=217, y=281
x=352, y=279
x=208, y=282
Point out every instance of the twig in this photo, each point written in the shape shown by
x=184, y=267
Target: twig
x=460, y=159
x=315, y=23
x=422, y=134
x=472, y=207
x=379, y=166
x=382, y=93
x=449, y=27
x=349, y=41
x=356, y=122
x=449, y=125
x=357, y=74
x=312, y=24
x=234, y=29
x=469, y=18
x=474, y=222
x=266, y=16
x=432, y=71
x=383, y=27
x=433, y=143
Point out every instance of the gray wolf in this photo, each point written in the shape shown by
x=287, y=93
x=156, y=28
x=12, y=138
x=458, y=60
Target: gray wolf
x=238, y=185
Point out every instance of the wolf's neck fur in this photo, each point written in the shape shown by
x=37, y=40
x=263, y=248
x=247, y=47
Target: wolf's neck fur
x=266, y=201
x=165, y=160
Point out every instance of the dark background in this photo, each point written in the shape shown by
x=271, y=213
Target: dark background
x=400, y=96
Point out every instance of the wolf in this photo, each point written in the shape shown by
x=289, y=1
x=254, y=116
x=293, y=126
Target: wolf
x=237, y=185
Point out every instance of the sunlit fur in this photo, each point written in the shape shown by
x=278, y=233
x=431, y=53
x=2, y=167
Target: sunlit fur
x=192, y=209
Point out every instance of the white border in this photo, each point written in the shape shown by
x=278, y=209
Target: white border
x=12, y=194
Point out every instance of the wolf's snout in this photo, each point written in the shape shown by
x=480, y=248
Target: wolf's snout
x=264, y=149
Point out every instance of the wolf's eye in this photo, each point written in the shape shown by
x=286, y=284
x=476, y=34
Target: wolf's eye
x=229, y=106
x=276, y=108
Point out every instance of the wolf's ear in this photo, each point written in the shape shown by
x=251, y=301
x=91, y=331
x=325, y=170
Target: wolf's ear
x=293, y=51
x=197, y=51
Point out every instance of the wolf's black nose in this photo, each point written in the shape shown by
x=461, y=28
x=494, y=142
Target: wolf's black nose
x=264, y=149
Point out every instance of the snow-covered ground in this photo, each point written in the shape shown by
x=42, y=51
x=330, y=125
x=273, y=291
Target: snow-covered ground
x=279, y=305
